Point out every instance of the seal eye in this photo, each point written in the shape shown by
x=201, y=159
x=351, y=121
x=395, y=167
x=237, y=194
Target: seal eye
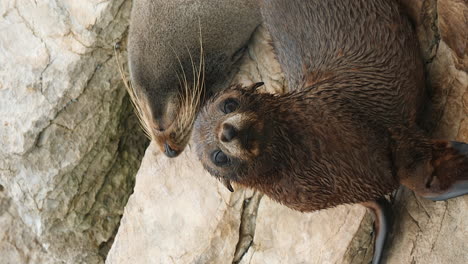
x=229, y=106
x=219, y=158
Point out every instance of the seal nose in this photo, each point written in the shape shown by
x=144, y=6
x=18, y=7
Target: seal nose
x=171, y=153
x=229, y=132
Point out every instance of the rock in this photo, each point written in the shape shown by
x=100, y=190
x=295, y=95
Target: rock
x=18, y=244
x=177, y=214
x=429, y=232
x=452, y=22
x=69, y=150
x=286, y=236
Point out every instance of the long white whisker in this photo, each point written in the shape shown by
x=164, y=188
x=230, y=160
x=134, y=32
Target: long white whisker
x=133, y=97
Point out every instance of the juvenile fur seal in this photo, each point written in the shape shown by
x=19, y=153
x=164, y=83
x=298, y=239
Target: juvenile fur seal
x=177, y=50
x=348, y=130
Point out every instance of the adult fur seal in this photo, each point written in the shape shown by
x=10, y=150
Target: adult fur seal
x=176, y=50
x=348, y=130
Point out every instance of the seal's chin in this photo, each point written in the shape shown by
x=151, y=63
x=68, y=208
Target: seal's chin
x=168, y=146
x=248, y=137
x=250, y=141
x=170, y=151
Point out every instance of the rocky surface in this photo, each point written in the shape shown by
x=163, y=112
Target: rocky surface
x=178, y=214
x=18, y=244
x=69, y=150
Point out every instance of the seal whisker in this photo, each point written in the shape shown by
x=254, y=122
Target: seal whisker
x=175, y=100
x=201, y=72
x=182, y=93
x=181, y=67
x=142, y=118
x=190, y=97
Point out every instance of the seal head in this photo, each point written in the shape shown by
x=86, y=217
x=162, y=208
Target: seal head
x=232, y=135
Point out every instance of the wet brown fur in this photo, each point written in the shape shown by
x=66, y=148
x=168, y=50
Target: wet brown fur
x=347, y=131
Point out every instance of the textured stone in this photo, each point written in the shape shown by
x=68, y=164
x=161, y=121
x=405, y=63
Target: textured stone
x=260, y=64
x=68, y=148
x=178, y=214
x=429, y=232
x=286, y=236
x=18, y=244
x=453, y=27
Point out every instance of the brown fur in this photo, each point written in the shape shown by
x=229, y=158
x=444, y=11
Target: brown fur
x=327, y=141
x=347, y=132
x=348, y=129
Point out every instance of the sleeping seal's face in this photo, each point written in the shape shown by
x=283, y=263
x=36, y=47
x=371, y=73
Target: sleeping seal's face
x=230, y=135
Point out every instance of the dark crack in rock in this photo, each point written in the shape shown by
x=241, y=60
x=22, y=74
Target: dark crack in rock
x=247, y=226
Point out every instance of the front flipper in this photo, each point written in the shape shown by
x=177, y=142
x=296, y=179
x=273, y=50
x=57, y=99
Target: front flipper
x=457, y=189
x=383, y=218
x=449, y=178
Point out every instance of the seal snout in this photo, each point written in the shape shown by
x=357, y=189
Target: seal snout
x=228, y=133
x=170, y=152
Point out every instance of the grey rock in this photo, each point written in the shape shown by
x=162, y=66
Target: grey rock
x=69, y=150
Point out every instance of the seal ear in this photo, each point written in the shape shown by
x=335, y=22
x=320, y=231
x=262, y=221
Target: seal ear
x=253, y=87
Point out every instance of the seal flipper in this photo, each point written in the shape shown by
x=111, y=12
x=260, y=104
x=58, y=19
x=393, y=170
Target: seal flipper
x=434, y=169
x=450, y=176
x=383, y=221
x=457, y=189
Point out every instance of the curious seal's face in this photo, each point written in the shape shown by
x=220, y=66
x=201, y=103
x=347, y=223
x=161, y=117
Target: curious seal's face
x=168, y=118
x=170, y=124
x=230, y=135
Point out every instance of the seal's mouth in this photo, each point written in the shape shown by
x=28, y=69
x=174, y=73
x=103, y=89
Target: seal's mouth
x=170, y=152
x=248, y=137
x=168, y=146
x=250, y=140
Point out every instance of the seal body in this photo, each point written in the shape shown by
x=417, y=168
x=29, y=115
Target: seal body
x=178, y=52
x=355, y=76
x=368, y=46
x=348, y=130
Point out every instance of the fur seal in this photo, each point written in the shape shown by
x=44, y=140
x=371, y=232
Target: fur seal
x=178, y=51
x=348, y=131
